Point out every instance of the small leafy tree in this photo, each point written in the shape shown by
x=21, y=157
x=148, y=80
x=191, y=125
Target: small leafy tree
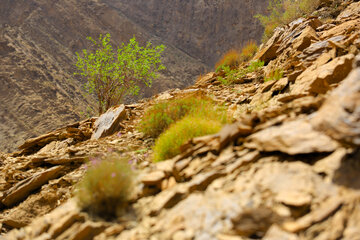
x=111, y=75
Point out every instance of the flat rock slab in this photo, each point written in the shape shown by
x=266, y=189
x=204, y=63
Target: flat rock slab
x=297, y=137
x=315, y=80
x=23, y=189
x=153, y=178
x=339, y=117
x=109, y=122
x=80, y=131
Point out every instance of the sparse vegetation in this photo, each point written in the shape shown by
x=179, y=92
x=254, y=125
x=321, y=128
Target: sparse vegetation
x=277, y=74
x=113, y=75
x=106, y=185
x=283, y=12
x=160, y=116
x=232, y=59
x=168, y=144
x=249, y=50
x=230, y=75
x=254, y=66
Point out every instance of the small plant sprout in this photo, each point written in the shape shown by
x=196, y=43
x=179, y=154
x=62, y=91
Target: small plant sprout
x=277, y=74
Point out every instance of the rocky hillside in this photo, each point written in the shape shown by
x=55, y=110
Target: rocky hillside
x=287, y=168
x=38, y=40
x=203, y=29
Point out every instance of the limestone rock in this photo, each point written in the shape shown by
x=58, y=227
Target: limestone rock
x=304, y=40
x=339, y=117
x=23, y=188
x=153, y=178
x=78, y=132
x=268, y=52
x=296, y=137
x=318, y=215
x=168, y=199
x=350, y=11
x=109, y=122
x=318, y=80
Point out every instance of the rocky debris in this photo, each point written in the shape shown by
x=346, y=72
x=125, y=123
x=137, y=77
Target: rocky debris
x=287, y=168
x=340, y=115
x=76, y=132
x=317, y=80
x=109, y=122
x=26, y=176
x=22, y=189
x=297, y=137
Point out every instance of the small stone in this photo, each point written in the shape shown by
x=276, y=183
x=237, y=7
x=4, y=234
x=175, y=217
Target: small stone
x=153, y=178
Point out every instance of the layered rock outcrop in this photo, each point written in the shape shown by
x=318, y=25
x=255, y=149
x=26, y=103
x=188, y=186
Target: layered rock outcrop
x=287, y=168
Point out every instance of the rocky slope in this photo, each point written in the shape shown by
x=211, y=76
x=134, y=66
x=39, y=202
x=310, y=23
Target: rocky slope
x=38, y=40
x=203, y=29
x=287, y=168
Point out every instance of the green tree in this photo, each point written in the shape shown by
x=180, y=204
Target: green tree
x=111, y=75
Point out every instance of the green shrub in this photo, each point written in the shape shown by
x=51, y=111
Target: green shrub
x=106, y=186
x=230, y=75
x=168, y=144
x=254, y=66
x=274, y=75
x=160, y=116
x=283, y=12
x=112, y=75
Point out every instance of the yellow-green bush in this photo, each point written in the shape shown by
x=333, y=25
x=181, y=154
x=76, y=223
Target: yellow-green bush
x=168, y=144
x=106, y=185
x=283, y=12
x=160, y=116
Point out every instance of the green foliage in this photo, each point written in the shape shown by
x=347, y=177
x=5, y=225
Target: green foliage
x=254, y=66
x=283, y=12
x=168, y=144
x=106, y=185
x=160, y=116
x=230, y=75
x=111, y=75
x=274, y=75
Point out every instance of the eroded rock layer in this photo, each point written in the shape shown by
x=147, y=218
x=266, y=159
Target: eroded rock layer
x=287, y=168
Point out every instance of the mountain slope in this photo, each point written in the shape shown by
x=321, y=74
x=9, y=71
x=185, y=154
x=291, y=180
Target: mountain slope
x=204, y=29
x=287, y=168
x=38, y=40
